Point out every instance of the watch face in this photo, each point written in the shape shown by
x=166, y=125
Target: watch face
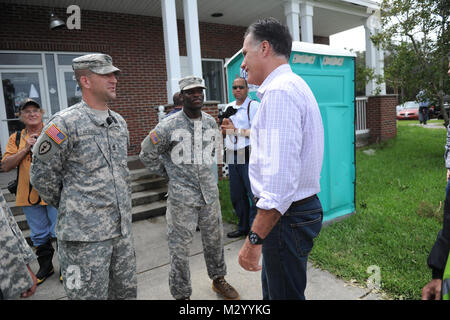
x=253, y=238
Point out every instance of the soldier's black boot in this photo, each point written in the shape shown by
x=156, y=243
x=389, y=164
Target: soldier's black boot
x=44, y=256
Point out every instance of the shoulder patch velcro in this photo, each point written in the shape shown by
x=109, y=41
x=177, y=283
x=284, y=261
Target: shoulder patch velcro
x=55, y=134
x=154, y=137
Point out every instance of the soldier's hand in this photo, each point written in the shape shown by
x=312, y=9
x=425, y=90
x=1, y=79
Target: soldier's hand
x=30, y=291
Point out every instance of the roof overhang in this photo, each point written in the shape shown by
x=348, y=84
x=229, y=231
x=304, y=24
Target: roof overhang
x=330, y=16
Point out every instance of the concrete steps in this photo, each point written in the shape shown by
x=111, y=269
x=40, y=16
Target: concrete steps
x=148, y=197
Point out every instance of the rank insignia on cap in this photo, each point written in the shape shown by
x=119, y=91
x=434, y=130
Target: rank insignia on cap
x=154, y=137
x=55, y=134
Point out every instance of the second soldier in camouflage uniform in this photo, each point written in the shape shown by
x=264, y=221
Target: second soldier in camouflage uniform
x=16, y=276
x=183, y=146
x=80, y=165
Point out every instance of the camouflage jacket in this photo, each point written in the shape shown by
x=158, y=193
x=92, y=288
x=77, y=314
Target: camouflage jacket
x=15, y=254
x=80, y=166
x=186, y=150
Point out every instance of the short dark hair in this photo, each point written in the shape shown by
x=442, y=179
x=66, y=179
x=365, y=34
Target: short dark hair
x=241, y=78
x=80, y=73
x=276, y=33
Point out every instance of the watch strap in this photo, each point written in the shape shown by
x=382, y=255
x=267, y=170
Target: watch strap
x=255, y=238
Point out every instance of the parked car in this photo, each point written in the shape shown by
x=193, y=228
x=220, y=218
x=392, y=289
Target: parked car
x=446, y=107
x=398, y=108
x=409, y=111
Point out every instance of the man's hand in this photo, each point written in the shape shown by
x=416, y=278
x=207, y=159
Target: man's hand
x=227, y=126
x=249, y=256
x=30, y=142
x=448, y=174
x=432, y=290
x=30, y=291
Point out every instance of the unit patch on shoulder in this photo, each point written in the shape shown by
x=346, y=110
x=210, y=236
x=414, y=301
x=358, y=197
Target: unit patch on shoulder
x=44, y=147
x=55, y=134
x=154, y=137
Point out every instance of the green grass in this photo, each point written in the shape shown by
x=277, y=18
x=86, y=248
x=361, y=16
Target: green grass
x=227, y=208
x=399, y=205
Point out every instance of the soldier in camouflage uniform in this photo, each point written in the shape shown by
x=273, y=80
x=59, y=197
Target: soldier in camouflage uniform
x=16, y=276
x=183, y=146
x=80, y=166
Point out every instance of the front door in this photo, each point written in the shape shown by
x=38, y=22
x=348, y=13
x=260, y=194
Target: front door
x=17, y=85
x=70, y=91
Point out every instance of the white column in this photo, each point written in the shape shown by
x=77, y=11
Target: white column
x=306, y=22
x=169, y=17
x=374, y=57
x=192, y=37
x=380, y=69
x=291, y=11
x=370, y=59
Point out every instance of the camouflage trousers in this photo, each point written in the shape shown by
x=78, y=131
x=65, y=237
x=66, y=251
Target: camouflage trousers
x=99, y=270
x=181, y=224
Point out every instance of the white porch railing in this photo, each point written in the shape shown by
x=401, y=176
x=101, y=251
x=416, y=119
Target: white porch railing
x=361, y=123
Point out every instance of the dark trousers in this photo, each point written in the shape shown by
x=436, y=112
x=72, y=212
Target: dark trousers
x=241, y=195
x=285, y=252
x=423, y=114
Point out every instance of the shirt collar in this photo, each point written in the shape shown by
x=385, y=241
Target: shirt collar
x=244, y=104
x=91, y=114
x=284, y=68
x=192, y=120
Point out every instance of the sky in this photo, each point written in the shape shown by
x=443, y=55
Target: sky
x=350, y=39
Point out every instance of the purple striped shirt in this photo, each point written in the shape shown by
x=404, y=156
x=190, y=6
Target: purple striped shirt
x=287, y=142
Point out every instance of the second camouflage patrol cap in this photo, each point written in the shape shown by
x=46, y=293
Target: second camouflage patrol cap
x=99, y=63
x=190, y=82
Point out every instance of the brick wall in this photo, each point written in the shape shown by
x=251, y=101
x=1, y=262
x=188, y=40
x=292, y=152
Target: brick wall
x=381, y=117
x=136, y=44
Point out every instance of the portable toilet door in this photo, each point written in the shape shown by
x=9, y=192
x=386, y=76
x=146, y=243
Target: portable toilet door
x=330, y=73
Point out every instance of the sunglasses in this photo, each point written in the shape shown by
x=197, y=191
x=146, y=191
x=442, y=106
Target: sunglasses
x=240, y=87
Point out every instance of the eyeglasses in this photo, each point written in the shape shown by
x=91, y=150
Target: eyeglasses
x=240, y=87
x=33, y=111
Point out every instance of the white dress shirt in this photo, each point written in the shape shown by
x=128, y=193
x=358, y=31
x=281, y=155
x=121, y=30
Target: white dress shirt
x=240, y=121
x=287, y=142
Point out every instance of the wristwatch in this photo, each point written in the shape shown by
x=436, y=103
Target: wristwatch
x=254, y=238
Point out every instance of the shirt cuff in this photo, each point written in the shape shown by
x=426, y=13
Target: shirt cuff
x=267, y=202
x=437, y=273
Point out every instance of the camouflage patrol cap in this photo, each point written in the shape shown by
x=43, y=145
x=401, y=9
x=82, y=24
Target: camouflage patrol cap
x=190, y=82
x=99, y=63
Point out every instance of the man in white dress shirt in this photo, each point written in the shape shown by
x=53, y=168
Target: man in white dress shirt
x=237, y=143
x=285, y=164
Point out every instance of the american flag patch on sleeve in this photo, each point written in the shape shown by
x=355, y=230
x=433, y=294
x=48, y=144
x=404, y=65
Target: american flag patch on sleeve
x=154, y=137
x=55, y=134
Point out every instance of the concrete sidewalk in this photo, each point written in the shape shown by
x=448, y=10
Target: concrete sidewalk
x=153, y=269
x=431, y=125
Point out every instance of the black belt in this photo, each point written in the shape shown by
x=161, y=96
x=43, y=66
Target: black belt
x=295, y=203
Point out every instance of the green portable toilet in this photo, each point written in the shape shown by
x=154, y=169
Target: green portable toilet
x=330, y=73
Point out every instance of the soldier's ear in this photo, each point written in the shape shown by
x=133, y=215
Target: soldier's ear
x=85, y=81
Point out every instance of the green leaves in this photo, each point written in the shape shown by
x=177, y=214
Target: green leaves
x=415, y=36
